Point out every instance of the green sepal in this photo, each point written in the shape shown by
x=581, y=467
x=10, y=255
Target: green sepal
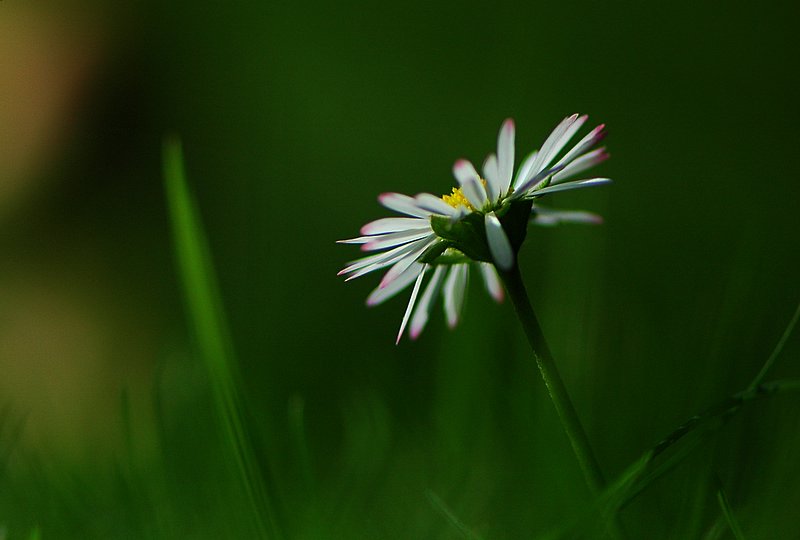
x=449, y=259
x=467, y=235
x=546, y=182
x=430, y=255
x=515, y=217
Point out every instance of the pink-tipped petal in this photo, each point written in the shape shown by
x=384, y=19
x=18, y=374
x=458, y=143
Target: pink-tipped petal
x=401, y=265
x=499, y=245
x=492, y=178
x=550, y=217
x=435, y=204
x=562, y=141
x=390, y=225
x=411, y=302
x=394, y=239
x=378, y=295
x=505, y=155
x=537, y=181
x=402, y=204
x=592, y=138
x=556, y=140
x=566, y=186
x=525, y=171
x=422, y=312
x=379, y=260
x=470, y=183
x=453, y=292
x=580, y=164
x=492, y=282
x=357, y=240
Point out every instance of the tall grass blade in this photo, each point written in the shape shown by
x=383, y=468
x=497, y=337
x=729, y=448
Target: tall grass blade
x=638, y=476
x=727, y=511
x=205, y=314
x=448, y=514
x=777, y=350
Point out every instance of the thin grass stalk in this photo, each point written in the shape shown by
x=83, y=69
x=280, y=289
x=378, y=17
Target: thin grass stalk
x=206, y=317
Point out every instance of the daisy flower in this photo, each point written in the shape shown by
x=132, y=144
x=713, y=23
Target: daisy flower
x=481, y=223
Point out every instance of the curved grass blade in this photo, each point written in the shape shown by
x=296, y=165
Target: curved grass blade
x=448, y=514
x=206, y=317
x=777, y=350
x=727, y=511
x=641, y=474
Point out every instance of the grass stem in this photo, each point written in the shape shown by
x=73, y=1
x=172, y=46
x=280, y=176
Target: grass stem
x=206, y=316
x=776, y=351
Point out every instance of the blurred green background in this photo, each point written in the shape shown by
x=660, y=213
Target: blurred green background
x=294, y=117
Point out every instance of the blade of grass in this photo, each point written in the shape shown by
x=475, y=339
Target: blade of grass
x=716, y=530
x=622, y=494
x=641, y=483
x=296, y=414
x=205, y=313
x=592, y=522
x=727, y=511
x=634, y=480
x=641, y=474
x=776, y=351
x=448, y=514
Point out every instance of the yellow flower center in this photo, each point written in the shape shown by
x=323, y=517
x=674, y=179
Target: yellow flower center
x=457, y=198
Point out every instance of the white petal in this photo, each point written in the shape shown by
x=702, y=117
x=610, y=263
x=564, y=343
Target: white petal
x=411, y=301
x=492, y=281
x=536, y=181
x=402, y=203
x=453, y=292
x=371, y=263
x=505, y=155
x=420, y=318
x=396, y=224
x=394, y=239
x=400, y=266
x=566, y=186
x=565, y=137
x=356, y=264
x=557, y=139
x=548, y=216
x=378, y=295
x=499, y=245
x=357, y=240
x=580, y=164
x=435, y=204
x=470, y=183
x=525, y=169
x=491, y=174
x=592, y=138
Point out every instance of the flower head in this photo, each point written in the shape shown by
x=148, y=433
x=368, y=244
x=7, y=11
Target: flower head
x=482, y=223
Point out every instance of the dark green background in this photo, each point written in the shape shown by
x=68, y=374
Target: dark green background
x=295, y=116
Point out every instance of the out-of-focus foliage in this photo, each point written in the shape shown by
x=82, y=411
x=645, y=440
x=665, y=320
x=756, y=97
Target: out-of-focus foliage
x=293, y=118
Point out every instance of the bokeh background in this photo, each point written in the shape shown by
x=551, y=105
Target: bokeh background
x=293, y=117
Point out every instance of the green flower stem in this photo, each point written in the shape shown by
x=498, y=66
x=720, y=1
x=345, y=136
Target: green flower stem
x=555, y=386
x=776, y=351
